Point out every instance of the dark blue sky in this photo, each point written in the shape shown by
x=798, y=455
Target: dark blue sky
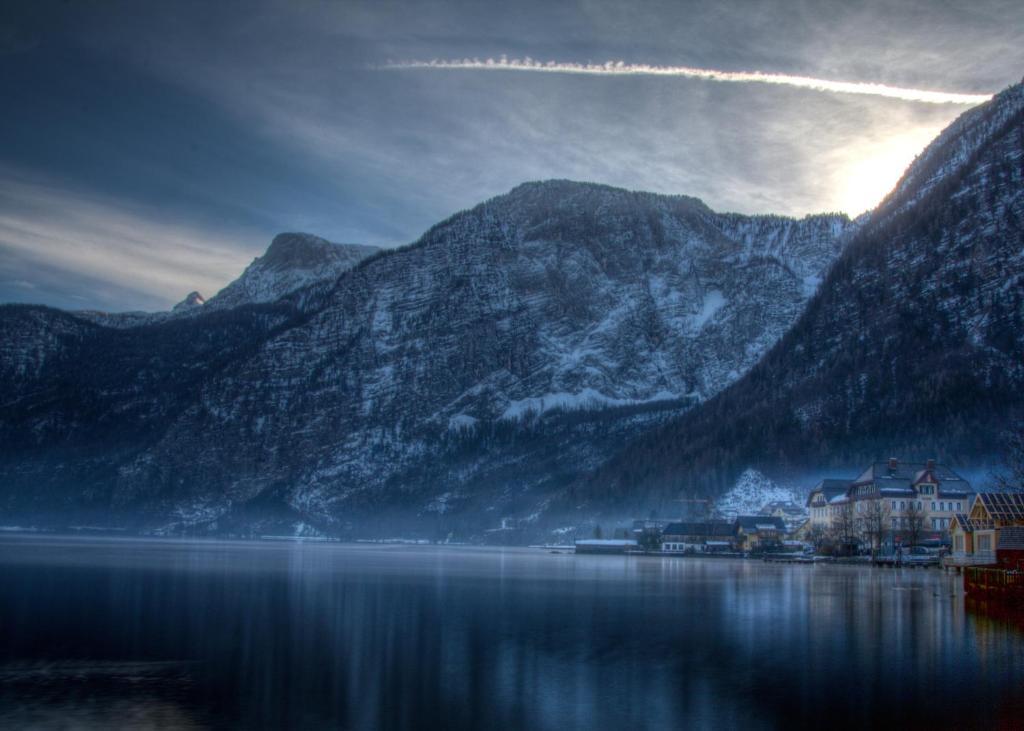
x=154, y=148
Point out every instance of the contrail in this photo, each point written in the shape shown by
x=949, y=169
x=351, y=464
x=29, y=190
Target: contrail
x=621, y=68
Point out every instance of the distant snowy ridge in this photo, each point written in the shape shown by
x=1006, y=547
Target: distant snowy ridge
x=293, y=261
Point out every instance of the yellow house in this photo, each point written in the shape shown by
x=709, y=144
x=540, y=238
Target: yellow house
x=961, y=535
x=759, y=532
x=820, y=505
x=975, y=535
x=992, y=511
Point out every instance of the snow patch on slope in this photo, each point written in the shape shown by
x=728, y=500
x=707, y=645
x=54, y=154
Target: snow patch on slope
x=713, y=302
x=588, y=398
x=752, y=492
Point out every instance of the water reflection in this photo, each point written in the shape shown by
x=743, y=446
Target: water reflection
x=308, y=636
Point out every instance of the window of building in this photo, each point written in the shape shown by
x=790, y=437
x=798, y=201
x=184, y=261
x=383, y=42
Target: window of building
x=958, y=508
x=933, y=505
x=958, y=543
x=985, y=543
x=893, y=504
x=895, y=524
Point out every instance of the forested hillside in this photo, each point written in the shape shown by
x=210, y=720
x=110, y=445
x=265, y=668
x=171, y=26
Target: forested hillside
x=914, y=344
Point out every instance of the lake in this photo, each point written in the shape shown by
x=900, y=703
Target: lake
x=108, y=633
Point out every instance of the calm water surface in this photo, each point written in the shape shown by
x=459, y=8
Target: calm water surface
x=147, y=633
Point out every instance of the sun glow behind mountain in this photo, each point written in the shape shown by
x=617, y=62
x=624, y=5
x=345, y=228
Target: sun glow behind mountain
x=870, y=173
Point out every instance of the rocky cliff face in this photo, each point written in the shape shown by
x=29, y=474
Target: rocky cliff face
x=914, y=344
x=473, y=373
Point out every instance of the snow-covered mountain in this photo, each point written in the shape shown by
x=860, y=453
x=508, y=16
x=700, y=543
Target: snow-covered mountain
x=293, y=261
x=491, y=368
x=913, y=346
x=514, y=346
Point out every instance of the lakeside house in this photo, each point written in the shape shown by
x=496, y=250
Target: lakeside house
x=820, y=503
x=792, y=515
x=606, y=545
x=759, y=532
x=975, y=535
x=747, y=533
x=700, y=537
x=919, y=499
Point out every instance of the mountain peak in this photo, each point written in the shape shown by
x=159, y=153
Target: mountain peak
x=193, y=299
x=305, y=251
x=292, y=260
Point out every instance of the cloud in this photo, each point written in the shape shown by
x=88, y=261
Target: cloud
x=621, y=68
x=63, y=245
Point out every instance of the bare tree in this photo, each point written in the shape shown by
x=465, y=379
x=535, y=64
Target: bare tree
x=875, y=522
x=817, y=537
x=844, y=525
x=914, y=517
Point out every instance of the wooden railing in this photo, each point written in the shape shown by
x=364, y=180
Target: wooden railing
x=993, y=583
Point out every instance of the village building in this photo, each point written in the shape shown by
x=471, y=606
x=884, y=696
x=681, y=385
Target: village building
x=802, y=532
x=929, y=493
x=606, y=545
x=915, y=499
x=975, y=535
x=792, y=515
x=821, y=503
x=700, y=537
x=1010, y=548
x=759, y=532
x=961, y=540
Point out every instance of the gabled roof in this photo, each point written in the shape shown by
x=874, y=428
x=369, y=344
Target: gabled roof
x=829, y=487
x=928, y=474
x=1003, y=505
x=969, y=526
x=712, y=528
x=752, y=523
x=910, y=473
x=1011, y=538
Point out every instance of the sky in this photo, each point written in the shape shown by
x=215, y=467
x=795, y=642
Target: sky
x=150, y=149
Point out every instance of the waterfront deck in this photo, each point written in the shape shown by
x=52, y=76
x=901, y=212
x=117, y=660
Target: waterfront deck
x=958, y=562
x=994, y=584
